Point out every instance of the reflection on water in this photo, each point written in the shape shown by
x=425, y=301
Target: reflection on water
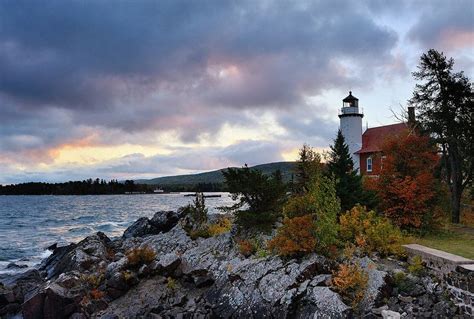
x=29, y=224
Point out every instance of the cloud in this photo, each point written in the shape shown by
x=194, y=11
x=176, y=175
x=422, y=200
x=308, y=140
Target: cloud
x=121, y=72
x=445, y=25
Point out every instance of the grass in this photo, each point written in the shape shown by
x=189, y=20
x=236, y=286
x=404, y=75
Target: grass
x=455, y=239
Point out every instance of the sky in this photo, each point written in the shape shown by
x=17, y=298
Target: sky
x=141, y=89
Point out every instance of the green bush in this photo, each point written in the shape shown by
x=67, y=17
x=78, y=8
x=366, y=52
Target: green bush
x=321, y=202
x=370, y=232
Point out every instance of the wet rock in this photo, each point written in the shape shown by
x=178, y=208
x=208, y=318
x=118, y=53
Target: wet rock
x=85, y=255
x=16, y=266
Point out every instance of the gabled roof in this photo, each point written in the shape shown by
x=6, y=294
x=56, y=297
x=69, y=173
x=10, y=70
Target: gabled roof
x=373, y=138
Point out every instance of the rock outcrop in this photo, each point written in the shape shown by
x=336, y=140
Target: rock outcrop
x=203, y=278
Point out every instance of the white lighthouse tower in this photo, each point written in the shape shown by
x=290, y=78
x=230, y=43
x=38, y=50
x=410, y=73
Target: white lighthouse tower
x=351, y=126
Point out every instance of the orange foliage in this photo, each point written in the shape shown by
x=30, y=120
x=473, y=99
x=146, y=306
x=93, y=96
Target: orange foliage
x=96, y=294
x=351, y=282
x=406, y=185
x=247, y=248
x=297, y=236
x=140, y=256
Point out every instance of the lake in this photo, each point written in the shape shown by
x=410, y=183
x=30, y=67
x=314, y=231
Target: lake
x=29, y=224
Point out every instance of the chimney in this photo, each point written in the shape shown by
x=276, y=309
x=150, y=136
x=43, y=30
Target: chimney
x=411, y=115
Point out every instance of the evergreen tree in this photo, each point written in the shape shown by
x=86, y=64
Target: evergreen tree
x=348, y=183
x=445, y=103
x=258, y=197
x=307, y=167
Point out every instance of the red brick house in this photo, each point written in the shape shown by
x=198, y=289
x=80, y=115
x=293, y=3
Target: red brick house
x=370, y=155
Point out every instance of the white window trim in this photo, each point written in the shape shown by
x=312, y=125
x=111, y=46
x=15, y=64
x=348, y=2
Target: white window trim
x=369, y=160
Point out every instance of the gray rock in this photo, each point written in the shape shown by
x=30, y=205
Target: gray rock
x=388, y=314
x=140, y=228
x=82, y=257
x=163, y=221
x=376, y=285
x=322, y=302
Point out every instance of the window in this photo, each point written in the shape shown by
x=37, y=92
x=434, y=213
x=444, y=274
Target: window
x=369, y=164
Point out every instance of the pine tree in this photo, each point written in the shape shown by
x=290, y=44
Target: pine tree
x=348, y=183
x=445, y=100
x=307, y=167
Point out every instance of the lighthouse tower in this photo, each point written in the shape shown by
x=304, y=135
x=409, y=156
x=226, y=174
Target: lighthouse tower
x=351, y=126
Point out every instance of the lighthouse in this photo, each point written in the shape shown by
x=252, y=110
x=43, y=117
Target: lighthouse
x=351, y=126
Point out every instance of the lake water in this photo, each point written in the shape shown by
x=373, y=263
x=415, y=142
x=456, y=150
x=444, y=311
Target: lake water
x=29, y=224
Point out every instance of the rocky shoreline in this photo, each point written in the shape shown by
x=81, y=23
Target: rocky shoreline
x=173, y=276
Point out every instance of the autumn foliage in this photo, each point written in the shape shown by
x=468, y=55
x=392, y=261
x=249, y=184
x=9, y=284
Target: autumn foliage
x=350, y=280
x=140, y=256
x=406, y=185
x=370, y=232
x=296, y=237
x=247, y=248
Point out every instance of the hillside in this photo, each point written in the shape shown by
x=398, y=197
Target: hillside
x=215, y=177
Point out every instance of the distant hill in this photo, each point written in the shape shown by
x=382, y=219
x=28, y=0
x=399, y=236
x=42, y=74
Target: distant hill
x=215, y=177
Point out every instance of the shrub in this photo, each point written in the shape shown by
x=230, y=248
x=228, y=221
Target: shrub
x=321, y=202
x=202, y=232
x=296, y=237
x=92, y=281
x=140, y=256
x=171, y=284
x=222, y=225
x=370, y=232
x=416, y=266
x=350, y=281
x=247, y=248
x=96, y=294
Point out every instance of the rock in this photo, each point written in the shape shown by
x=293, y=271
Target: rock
x=406, y=299
x=15, y=266
x=388, y=314
x=53, y=302
x=140, y=228
x=82, y=256
x=33, y=306
x=166, y=264
x=164, y=221
x=321, y=302
x=52, y=247
x=378, y=311
x=116, y=266
x=376, y=285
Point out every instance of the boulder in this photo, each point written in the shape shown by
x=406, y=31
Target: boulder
x=83, y=256
x=140, y=228
x=162, y=221
x=377, y=285
x=322, y=302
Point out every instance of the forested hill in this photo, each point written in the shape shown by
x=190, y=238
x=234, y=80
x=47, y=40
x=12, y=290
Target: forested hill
x=216, y=177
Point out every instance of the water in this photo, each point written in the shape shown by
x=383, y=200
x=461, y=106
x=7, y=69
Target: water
x=29, y=224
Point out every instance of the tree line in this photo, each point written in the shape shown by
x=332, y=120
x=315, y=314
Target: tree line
x=102, y=187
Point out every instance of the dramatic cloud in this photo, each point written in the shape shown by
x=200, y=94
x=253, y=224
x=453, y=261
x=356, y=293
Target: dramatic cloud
x=170, y=74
